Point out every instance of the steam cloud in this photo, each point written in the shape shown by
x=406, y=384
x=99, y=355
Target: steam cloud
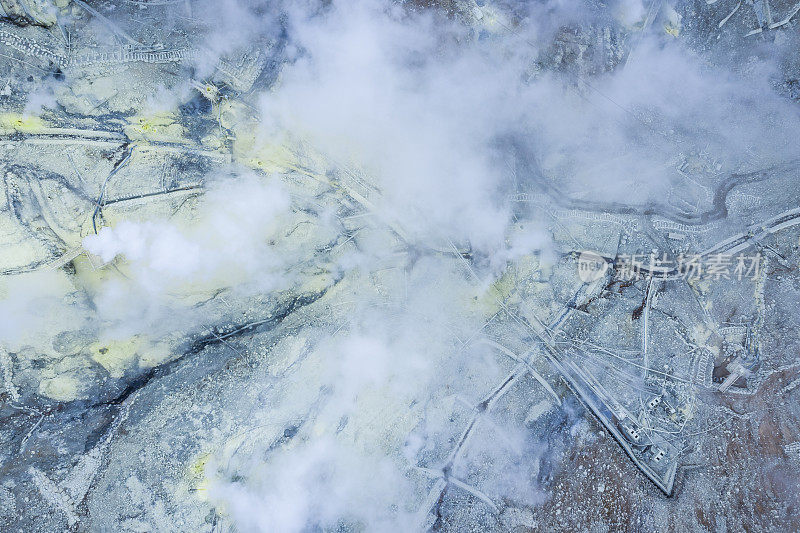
x=448, y=122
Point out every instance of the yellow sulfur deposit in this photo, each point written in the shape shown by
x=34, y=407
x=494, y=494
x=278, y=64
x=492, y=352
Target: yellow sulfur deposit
x=116, y=356
x=155, y=127
x=22, y=123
